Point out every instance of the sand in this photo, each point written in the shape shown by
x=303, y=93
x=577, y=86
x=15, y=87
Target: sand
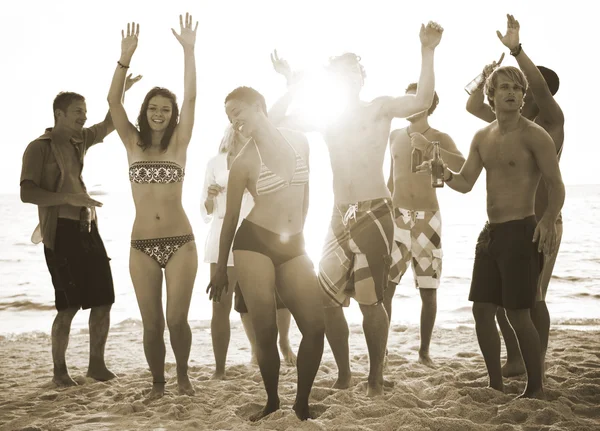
x=452, y=397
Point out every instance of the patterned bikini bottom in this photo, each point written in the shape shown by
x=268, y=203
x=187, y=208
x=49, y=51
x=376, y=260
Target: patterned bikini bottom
x=161, y=249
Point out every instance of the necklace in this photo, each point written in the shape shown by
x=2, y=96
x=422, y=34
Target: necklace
x=422, y=133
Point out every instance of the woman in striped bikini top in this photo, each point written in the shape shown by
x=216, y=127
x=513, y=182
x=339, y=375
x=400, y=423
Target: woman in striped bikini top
x=270, y=182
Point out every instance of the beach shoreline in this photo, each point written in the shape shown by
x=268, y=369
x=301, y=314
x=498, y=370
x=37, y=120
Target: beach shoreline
x=452, y=397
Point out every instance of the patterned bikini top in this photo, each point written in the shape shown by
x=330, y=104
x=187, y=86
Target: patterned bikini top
x=160, y=172
x=269, y=182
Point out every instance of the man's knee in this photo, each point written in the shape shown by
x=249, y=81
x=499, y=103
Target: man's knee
x=518, y=317
x=428, y=296
x=101, y=310
x=66, y=315
x=373, y=310
x=483, y=312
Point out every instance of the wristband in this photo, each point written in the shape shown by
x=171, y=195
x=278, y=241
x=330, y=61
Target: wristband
x=450, y=177
x=516, y=51
x=121, y=65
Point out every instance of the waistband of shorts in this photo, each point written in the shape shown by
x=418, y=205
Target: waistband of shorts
x=69, y=223
x=364, y=206
x=521, y=221
x=400, y=211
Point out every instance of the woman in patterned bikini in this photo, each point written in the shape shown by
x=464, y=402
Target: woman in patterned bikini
x=162, y=235
x=268, y=250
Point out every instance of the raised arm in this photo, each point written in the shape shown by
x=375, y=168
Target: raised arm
x=476, y=103
x=127, y=131
x=550, y=111
x=542, y=147
x=410, y=104
x=108, y=122
x=187, y=39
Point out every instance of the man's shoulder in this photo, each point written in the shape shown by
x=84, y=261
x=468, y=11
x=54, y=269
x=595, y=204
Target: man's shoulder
x=396, y=133
x=41, y=143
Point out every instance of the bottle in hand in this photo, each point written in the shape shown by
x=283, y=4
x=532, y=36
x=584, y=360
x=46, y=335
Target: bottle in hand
x=437, y=166
x=416, y=158
x=85, y=219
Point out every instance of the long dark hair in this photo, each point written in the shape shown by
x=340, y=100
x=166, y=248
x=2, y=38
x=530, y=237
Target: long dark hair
x=142, y=120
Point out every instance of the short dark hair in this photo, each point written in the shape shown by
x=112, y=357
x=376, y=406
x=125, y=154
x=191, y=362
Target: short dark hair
x=551, y=79
x=144, y=126
x=64, y=99
x=434, y=102
x=248, y=95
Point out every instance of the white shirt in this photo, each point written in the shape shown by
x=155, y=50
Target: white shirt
x=217, y=173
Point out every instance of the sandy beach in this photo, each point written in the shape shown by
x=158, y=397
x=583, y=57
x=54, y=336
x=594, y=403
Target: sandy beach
x=451, y=397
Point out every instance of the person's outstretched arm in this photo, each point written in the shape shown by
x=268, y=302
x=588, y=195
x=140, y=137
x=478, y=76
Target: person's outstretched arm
x=187, y=39
x=127, y=131
x=476, y=103
x=410, y=104
x=549, y=110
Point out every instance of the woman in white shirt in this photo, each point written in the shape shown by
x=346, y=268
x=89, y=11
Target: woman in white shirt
x=212, y=209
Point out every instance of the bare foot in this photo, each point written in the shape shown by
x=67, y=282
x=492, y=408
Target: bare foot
x=185, y=386
x=267, y=410
x=343, y=381
x=425, y=359
x=374, y=389
x=63, y=380
x=497, y=387
x=511, y=369
x=157, y=391
x=302, y=412
x=533, y=393
x=101, y=374
x=288, y=355
x=218, y=375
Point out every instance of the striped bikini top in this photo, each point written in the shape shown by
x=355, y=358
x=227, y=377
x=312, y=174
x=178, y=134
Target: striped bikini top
x=158, y=172
x=269, y=182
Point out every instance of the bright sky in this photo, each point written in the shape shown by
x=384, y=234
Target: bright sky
x=74, y=45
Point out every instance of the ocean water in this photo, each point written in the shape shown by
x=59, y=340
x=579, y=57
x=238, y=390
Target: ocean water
x=27, y=297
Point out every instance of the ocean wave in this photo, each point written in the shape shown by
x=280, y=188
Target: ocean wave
x=587, y=295
x=577, y=322
x=573, y=278
x=26, y=305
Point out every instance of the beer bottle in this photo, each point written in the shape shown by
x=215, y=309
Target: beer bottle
x=85, y=219
x=437, y=166
x=479, y=80
x=416, y=158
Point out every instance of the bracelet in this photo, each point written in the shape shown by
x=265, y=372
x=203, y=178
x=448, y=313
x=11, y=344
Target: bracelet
x=121, y=65
x=450, y=177
x=516, y=51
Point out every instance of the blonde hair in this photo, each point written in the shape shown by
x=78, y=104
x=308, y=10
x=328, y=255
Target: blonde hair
x=229, y=139
x=512, y=73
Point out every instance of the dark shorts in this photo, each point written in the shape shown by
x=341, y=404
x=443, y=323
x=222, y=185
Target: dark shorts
x=507, y=265
x=279, y=249
x=252, y=237
x=79, y=267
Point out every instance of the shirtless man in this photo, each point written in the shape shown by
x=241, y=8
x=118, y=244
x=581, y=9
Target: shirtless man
x=417, y=215
x=541, y=108
x=356, y=256
x=515, y=153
